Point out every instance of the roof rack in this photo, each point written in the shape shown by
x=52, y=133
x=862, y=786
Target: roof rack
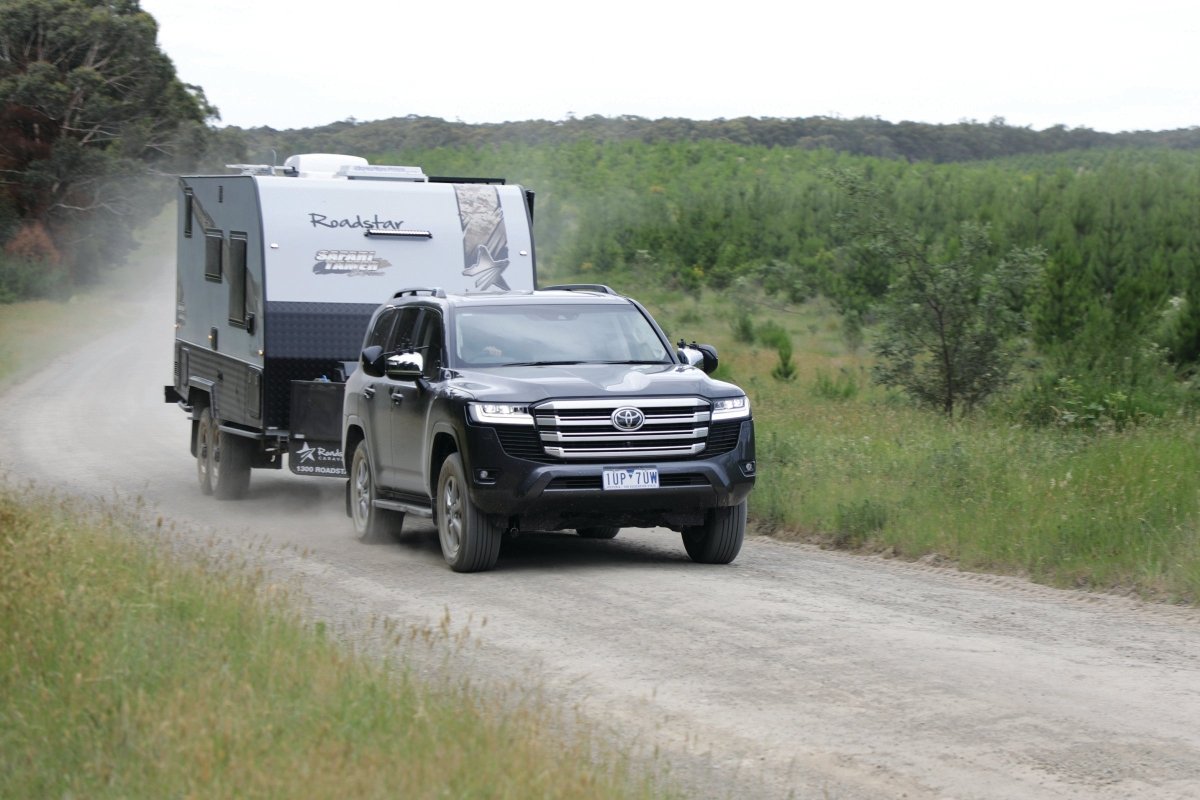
x=416, y=290
x=580, y=287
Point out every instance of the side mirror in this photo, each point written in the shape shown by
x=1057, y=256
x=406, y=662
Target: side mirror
x=710, y=358
x=405, y=366
x=371, y=360
x=703, y=356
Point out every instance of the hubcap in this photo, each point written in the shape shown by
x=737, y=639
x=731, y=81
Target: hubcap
x=452, y=517
x=202, y=448
x=362, y=492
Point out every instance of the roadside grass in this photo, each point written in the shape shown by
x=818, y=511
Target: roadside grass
x=844, y=463
x=125, y=672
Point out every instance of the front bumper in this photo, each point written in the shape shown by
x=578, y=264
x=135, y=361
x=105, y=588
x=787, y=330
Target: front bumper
x=558, y=494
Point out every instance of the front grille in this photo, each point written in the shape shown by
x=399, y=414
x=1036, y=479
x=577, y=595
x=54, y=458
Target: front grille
x=577, y=430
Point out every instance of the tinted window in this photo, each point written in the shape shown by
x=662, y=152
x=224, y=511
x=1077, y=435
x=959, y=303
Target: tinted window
x=381, y=333
x=237, y=279
x=214, y=246
x=403, y=335
x=429, y=341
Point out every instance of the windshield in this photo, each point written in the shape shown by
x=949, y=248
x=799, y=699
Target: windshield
x=555, y=334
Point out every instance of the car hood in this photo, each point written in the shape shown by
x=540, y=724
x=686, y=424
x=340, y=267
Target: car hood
x=534, y=384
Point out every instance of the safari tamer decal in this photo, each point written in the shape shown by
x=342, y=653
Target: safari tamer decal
x=349, y=262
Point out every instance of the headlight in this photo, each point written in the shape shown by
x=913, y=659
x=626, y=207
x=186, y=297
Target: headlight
x=500, y=413
x=726, y=408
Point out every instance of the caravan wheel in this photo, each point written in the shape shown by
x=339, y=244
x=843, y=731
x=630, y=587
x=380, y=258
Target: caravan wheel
x=204, y=446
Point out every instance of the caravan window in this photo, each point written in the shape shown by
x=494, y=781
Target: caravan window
x=189, y=199
x=214, y=246
x=238, y=315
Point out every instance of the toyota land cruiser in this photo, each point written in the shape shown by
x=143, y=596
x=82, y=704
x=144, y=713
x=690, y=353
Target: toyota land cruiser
x=565, y=408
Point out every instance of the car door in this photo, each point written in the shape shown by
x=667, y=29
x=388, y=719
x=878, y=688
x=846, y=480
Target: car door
x=376, y=402
x=410, y=403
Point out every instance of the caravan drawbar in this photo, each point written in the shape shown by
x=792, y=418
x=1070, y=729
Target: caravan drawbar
x=278, y=272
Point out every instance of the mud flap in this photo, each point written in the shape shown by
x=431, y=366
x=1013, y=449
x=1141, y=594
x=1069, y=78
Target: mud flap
x=314, y=444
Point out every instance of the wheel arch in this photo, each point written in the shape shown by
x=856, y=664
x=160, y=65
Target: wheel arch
x=350, y=439
x=442, y=446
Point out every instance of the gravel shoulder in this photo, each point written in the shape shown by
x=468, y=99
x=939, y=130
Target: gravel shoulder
x=792, y=672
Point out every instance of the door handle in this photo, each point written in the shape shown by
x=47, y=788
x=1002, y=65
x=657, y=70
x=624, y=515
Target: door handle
x=397, y=398
x=368, y=392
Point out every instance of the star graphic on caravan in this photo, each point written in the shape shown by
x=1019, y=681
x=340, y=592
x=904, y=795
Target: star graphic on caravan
x=487, y=270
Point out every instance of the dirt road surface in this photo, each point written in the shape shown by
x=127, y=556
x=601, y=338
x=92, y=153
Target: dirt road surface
x=792, y=672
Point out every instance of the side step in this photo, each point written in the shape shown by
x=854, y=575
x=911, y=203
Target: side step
x=407, y=508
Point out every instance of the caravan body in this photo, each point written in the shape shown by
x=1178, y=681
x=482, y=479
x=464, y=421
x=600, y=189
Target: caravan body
x=279, y=271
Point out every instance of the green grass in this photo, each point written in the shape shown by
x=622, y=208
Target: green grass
x=124, y=673
x=846, y=464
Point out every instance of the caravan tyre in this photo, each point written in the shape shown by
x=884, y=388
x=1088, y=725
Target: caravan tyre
x=204, y=446
x=599, y=532
x=229, y=459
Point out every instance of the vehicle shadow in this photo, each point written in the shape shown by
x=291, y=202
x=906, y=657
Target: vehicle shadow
x=558, y=550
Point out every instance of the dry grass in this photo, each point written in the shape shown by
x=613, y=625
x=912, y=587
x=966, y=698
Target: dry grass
x=124, y=673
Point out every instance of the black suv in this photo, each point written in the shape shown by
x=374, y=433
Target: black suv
x=564, y=408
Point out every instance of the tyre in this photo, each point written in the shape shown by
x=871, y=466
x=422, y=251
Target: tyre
x=719, y=539
x=598, y=532
x=204, y=446
x=372, y=524
x=469, y=538
x=229, y=459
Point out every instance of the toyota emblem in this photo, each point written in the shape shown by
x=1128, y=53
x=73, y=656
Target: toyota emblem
x=628, y=418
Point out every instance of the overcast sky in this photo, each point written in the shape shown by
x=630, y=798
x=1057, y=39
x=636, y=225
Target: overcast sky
x=300, y=63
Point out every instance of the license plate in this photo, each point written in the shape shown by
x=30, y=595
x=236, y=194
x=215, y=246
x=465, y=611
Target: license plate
x=634, y=478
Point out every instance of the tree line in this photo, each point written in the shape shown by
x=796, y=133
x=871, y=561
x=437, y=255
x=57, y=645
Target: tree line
x=95, y=123
x=1113, y=310
x=968, y=140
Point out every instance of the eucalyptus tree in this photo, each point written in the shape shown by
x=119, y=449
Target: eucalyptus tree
x=92, y=108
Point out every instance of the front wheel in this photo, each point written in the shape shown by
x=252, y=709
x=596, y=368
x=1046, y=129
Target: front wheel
x=373, y=525
x=469, y=538
x=719, y=539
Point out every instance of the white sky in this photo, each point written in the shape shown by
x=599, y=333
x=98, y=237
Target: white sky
x=300, y=63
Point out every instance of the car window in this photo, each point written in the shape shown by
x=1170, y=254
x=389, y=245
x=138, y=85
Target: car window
x=404, y=334
x=429, y=341
x=380, y=334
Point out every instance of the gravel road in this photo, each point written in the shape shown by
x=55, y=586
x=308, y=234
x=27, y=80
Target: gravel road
x=792, y=672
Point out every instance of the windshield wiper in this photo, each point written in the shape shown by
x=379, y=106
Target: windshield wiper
x=578, y=361
x=630, y=361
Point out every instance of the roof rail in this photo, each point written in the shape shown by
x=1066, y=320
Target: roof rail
x=580, y=287
x=415, y=290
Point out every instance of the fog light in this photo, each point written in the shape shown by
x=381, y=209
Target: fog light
x=487, y=476
x=748, y=468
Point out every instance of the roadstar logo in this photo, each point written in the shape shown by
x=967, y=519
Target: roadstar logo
x=311, y=453
x=628, y=418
